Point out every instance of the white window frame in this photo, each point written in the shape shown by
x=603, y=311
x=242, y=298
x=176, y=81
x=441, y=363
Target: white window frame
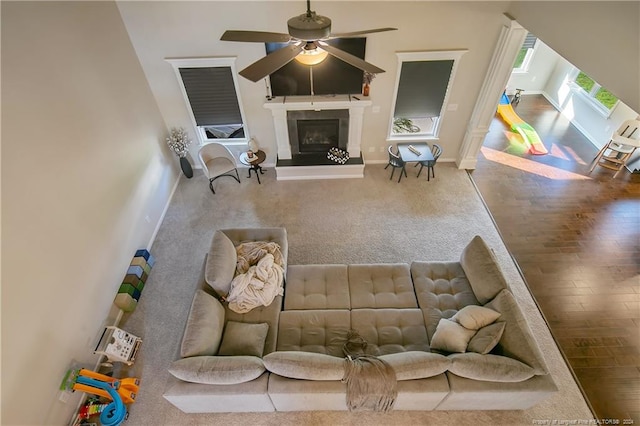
x=229, y=62
x=590, y=96
x=528, y=57
x=442, y=55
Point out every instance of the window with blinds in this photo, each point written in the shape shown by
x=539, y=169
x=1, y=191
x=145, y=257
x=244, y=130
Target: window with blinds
x=525, y=54
x=421, y=92
x=209, y=86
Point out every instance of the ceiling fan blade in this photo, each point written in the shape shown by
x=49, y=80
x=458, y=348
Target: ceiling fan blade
x=359, y=33
x=350, y=59
x=255, y=36
x=271, y=63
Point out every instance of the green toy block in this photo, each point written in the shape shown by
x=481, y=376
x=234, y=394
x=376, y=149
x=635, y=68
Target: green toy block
x=125, y=302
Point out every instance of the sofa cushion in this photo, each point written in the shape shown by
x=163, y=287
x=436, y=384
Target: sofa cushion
x=390, y=331
x=486, y=338
x=305, y=365
x=475, y=317
x=205, y=323
x=492, y=368
x=318, y=331
x=217, y=370
x=451, y=337
x=268, y=314
x=221, y=263
x=481, y=268
x=442, y=289
x=242, y=338
x=317, y=287
x=517, y=341
x=413, y=365
x=381, y=286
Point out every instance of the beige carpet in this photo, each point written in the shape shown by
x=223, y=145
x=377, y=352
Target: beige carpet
x=328, y=221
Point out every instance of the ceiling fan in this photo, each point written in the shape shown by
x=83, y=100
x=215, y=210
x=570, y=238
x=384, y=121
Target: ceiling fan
x=306, y=43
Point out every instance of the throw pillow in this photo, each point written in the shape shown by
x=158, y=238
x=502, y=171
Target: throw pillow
x=221, y=264
x=475, y=317
x=482, y=271
x=451, y=337
x=205, y=323
x=491, y=368
x=241, y=338
x=305, y=365
x=217, y=370
x=486, y=338
x=416, y=364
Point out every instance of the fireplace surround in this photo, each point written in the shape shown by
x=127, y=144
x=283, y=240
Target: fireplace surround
x=349, y=112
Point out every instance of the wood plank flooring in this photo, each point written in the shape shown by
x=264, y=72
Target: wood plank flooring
x=576, y=237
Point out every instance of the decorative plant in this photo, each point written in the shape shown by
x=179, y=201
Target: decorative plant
x=404, y=125
x=368, y=77
x=179, y=141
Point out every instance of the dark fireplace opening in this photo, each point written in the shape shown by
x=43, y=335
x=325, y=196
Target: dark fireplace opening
x=318, y=135
x=312, y=133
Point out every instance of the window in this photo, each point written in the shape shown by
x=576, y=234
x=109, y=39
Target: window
x=422, y=87
x=598, y=95
x=209, y=87
x=525, y=54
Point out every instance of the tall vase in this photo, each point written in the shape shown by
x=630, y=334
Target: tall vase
x=186, y=167
x=365, y=90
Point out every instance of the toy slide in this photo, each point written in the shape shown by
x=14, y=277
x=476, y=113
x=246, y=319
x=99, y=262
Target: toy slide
x=528, y=133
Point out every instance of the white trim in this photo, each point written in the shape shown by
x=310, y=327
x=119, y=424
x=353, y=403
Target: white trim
x=507, y=47
x=345, y=171
x=434, y=55
x=210, y=62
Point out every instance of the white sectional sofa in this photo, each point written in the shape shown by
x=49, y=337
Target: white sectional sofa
x=289, y=356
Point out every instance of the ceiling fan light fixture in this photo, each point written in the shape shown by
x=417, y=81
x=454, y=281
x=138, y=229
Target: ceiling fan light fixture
x=309, y=26
x=312, y=56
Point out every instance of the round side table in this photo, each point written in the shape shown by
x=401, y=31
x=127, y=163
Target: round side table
x=254, y=163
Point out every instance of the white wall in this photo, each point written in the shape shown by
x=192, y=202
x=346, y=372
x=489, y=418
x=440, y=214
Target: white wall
x=535, y=78
x=84, y=161
x=575, y=107
x=602, y=38
x=160, y=30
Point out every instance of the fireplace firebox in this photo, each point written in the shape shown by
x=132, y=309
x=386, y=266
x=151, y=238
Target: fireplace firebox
x=313, y=132
x=318, y=135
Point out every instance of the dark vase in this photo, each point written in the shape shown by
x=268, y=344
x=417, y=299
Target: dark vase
x=186, y=167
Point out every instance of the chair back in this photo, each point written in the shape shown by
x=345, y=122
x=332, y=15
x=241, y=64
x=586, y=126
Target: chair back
x=628, y=133
x=214, y=150
x=436, y=151
x=394, y=159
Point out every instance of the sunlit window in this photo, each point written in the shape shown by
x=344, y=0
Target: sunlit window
x=594, y=91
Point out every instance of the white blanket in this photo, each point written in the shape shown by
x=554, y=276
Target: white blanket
x=259, y=276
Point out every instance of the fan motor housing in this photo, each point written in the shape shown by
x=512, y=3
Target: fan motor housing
x=309, y=26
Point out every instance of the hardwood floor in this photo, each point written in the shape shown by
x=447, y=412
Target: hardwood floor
x=576, y=238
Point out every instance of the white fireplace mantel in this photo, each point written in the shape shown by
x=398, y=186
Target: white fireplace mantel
x=280, y=105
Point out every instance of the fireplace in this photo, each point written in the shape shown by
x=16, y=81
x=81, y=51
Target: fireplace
x=294, y=163
x=313, y=132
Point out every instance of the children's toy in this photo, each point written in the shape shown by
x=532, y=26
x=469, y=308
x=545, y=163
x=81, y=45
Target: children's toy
x=115, y=412
x=119, y=391
x=118, y=345
x=134, y=280
x=528, y=133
